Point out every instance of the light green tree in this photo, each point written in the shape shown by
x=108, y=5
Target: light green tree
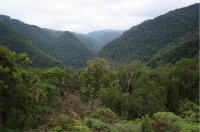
x=95, y=76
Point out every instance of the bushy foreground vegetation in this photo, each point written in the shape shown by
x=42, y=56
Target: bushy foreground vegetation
x=127, y=98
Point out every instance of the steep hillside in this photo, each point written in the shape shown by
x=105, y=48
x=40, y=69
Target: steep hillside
x=53, y=33
x=107, y=37
x=65, y=47
x=18, y=43
x=144, y=41
x=88, y=42
x=37, y=35
x=183, y=47
x=68, y=49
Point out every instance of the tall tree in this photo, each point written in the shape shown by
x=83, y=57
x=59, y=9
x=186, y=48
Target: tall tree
x=12, y=95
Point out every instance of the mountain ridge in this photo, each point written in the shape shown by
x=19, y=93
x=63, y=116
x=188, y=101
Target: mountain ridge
x=18, y=43
x=144, y=41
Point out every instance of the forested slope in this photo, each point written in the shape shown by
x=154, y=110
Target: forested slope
x=108, y=37
x=144, y=41
x=65, y=47
x=88, y=42
x=71, y=51
x=18, y=43
x=183, y=47
x=39, y=37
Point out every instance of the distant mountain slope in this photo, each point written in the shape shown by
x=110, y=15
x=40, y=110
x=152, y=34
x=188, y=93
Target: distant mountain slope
x=98, y=34
x=18, y=43
x=68, y=49
x=144, y=41
x=65, y=47
x=52, y=33
x=88, y=42
x=108, y=37
x=37, y=35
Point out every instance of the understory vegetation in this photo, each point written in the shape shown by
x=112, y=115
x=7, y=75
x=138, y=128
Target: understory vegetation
x=126, y=98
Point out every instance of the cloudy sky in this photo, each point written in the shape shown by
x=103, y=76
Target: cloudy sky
x=84, y=16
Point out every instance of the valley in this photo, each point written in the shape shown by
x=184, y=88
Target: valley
x=142, y=79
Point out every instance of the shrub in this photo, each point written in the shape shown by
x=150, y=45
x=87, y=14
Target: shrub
x=147, y=124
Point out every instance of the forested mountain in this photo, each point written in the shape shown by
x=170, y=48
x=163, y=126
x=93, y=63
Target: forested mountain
x=107, y=37
x=182, y=47
x=99, y=38
x=143, y=42
x=90, y=43
x=70, y=50
x=37, y=35
x=98, y=34
x=65, y=47
x=128, y=97
x=18, y=43
x=53, y=33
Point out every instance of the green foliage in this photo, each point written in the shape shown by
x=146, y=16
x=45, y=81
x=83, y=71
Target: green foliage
x=124, y=126
x=194, y=127
x=189, y=110
x=104, y=114
x=66, y=48
x=148, y=97
x=96, y=123
x=17, y=42
x=128, y=75
x=112, y=97
x=177, y=122
x=183, y=83
x=54, y=76
x=106, y=120
x=183, y=47
x=14, y=102
x=146, y=39
x=147, y=124
x=186, y=77
x=97, y=97
x=88, y=43
x=95, y=76
x=170, y=117
x=80, y=126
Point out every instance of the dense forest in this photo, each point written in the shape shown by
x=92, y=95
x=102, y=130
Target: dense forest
x=52, y=81
x=130, y=97
x=67, y=49
x=90, y=43
x=142, y=42
x=15, y=41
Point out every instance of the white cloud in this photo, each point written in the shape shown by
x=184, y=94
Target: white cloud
x=88, y=15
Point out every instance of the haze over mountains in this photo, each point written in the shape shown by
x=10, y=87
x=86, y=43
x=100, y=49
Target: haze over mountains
x=101, y=37
x=169, y=37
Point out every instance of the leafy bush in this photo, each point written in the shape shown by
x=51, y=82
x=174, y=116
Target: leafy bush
x=170, y=117
x=53, y=76
x=194, y=127
x=176, y=122
x=105, y=115
x=125, y=126
x=95, y=123
x=81, y=127
x=189, y=110
x=146, y=124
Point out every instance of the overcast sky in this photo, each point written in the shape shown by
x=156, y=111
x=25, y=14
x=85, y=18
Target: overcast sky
x=84, y=16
